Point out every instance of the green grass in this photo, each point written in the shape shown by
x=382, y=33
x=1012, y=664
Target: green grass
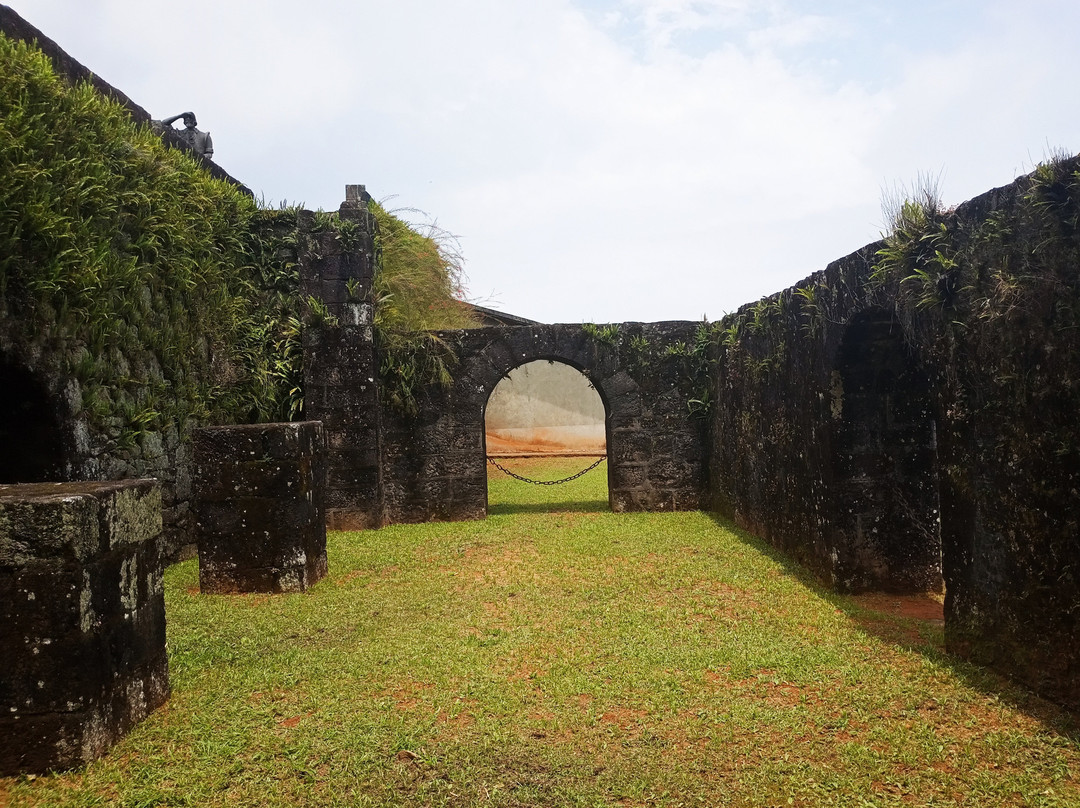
x=550, y=656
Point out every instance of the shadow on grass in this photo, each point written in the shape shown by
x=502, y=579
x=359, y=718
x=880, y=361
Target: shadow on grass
x=585, y=506
x=920, y=636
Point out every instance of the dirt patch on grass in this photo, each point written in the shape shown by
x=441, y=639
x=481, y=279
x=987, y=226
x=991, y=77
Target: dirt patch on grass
x=350, y=576
x=292, y=721
x=625, y=718
x=527, y=671
x=911, y=621
x=271, y=696
x=928, y=607
x=491, y=565
x=766, y=687
x=705, y=602
x=461, y=717
x=407, y=695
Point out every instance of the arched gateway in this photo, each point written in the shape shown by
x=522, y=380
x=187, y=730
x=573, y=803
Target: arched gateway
x=434, y=464
x=35, y=428
x=387, y=466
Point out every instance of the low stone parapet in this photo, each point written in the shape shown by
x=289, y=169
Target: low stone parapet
x=260, y=521
x=82, y=620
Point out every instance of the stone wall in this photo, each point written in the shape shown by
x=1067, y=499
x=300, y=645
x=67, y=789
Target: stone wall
x=119, y=328
x=881, y=416
x=386, y=465
x=46, y=437
x=118, y=323
x=813, y=401
x=433, y=463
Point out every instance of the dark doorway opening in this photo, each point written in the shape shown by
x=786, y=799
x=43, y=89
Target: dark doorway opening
x=32, y=444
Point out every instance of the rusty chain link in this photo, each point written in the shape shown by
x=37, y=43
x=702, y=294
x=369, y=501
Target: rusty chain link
x=493, y=462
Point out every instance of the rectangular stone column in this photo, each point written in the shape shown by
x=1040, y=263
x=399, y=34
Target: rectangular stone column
x=82, y=620
x=341, y=389
x=260, y=520
x=341, y=364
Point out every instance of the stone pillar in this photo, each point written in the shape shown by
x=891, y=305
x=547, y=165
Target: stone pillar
x=260, y=522
x=341, y=365
x=82, y=620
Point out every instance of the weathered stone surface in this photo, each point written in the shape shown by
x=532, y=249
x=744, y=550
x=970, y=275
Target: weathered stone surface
x=433, y=464
x=340, y=373
x=889, y=443
x=82, y=619
x=259, y=506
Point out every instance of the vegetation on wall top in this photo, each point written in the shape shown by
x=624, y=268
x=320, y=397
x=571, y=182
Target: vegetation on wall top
x=170, y=293
x=418, y=290
x=419, y=280
x=1015, y=260
x=639, y=356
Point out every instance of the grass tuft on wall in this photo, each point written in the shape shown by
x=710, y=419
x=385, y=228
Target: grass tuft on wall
x=418, y=290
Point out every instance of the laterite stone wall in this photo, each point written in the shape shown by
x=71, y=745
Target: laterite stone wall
x=896, y=430
x=82, y=620
x=433, y=463
x=341, y=367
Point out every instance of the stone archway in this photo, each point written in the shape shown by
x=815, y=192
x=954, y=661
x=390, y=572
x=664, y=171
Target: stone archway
x=434, y=464
x=884, y=461
x=505, y=349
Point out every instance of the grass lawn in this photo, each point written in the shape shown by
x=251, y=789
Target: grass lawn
x=559, y=654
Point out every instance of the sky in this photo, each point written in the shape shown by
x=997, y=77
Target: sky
x=606, y=160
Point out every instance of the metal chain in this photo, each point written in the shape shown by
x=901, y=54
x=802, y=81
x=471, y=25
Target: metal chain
x=493, y=462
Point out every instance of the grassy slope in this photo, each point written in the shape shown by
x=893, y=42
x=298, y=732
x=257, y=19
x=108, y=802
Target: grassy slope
x=575, y=657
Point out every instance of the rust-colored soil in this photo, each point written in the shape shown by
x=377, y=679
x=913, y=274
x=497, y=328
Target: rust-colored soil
x=505, y=447
x=921, y=607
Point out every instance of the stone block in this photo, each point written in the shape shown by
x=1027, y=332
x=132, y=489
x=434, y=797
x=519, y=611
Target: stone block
x=630, y=446
x=259, y=507
x=75, y=520
x=349, y=465
x=620, y=384
x=360, y=494
x=624, y=420
x=626, y=476
x=498, y=356
x=82, y=620
x=350, y=519
x=470, y=497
